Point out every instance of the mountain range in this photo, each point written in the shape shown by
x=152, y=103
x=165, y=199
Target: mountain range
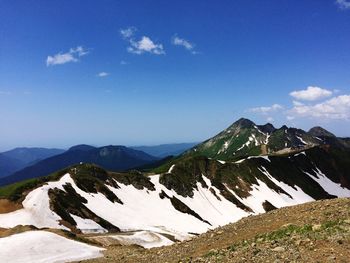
x=245, y=170
x=245, y=138
x=113, y=158
x=18, y=158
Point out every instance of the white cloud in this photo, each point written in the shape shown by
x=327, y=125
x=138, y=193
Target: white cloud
x=72, y=55
x=123, y=62
x=59, y=59
x=267, y=109
x=311, y=93
x=103, y=74
x=145, y=44
x=297, y=103
x=177, y=41
x=79, y=50
x=334, y=108
x=128, y=32
x=343, y=4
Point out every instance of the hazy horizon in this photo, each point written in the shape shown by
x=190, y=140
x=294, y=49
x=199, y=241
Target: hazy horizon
x=154, y=72
x=67, y=146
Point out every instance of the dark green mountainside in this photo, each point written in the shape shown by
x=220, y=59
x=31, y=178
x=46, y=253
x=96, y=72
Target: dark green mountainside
x=245, y=138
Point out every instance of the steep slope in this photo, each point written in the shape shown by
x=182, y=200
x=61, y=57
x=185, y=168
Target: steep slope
x=114, y=158
x=245, y=138
x=194, y=195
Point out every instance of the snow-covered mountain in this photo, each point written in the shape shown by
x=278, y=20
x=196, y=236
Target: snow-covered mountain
x=193, y=196
x=197, y=191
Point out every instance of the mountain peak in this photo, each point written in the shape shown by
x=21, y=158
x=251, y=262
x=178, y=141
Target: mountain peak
x=243, y=123
x=267, y=128
x=81, y=147
x=321, y=132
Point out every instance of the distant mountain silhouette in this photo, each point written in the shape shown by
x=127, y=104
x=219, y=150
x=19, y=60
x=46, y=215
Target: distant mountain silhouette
x=18, y=158
x=113, y=158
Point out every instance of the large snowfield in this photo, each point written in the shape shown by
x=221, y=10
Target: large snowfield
x=44, y=247
x=143, y=213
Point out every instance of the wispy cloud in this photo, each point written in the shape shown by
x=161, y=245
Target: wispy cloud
x=5, y=92
x=103, y=74
x=72, y=55
x=311, y=94
x=266, y=109
x=128, y=32
x=123, y=62
x=144, y=45
x=177, y=41
x=343, y=4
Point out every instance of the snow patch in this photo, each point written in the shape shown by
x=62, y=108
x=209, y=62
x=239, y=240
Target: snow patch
x=301, y=153
x=43, y=247
x=260, y=156
x=250, y=139
x=224, y=147
x=36, y=208
x=301, y=140
x=88, y=225
x=328, y=185
x=171, y=169
x=295, y=192
x=146, y=239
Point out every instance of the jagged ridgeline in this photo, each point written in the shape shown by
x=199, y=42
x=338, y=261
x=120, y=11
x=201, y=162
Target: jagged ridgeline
x=245, y=138
x=246, y=169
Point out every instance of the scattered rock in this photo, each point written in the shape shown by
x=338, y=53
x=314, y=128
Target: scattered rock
x=278, y=249
x=316, y=227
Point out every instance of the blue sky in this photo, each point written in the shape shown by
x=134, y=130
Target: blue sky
x=150, y=72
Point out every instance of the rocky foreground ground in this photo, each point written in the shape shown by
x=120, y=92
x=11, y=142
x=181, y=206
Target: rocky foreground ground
x=313, y=232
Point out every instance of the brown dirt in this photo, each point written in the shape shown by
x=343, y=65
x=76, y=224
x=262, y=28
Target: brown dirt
x=264, y=149
x=5, y=232
x=7, y=206
x=328, y=245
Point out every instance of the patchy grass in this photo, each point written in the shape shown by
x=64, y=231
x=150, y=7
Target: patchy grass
x=16, y=191
x=286, y=232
